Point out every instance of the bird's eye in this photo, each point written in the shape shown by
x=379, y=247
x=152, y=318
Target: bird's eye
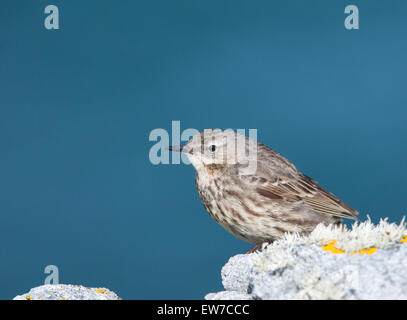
x=212, y=148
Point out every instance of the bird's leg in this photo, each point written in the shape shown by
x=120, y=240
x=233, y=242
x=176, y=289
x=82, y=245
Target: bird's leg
x=258, y=247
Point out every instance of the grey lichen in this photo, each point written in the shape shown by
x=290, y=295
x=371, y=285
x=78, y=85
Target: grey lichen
x=366, y=261
x=67, y=292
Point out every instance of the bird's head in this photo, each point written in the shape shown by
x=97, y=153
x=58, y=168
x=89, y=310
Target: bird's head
x=220, y=148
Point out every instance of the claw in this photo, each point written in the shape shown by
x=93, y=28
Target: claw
x=257, y=247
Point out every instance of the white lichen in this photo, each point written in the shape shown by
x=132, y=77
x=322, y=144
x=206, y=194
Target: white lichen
x=364, y=261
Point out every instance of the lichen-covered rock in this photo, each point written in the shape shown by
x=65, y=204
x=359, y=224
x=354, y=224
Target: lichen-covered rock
x=364, y=262
x=67, y=292
x=228, y=295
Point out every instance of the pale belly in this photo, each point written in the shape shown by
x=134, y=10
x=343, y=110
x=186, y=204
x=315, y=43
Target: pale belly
x=246, y=220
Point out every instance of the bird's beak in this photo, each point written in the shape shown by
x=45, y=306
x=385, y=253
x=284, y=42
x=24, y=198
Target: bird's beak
x=176, y=148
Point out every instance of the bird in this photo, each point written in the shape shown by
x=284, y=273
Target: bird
x=254, y=192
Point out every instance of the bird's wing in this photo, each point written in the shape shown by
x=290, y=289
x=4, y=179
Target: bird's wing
x=279, y=179
x=307, y=190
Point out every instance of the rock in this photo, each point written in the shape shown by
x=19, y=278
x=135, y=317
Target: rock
x=364, y=262
x=67, y=292
x=228, y=295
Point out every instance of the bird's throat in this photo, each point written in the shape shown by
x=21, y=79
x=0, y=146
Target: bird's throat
x=208, y=172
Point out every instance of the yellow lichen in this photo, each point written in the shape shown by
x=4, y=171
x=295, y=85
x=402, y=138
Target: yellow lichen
x=100, y=291
x=368, y=251
x=330, y=246
x=29, y=298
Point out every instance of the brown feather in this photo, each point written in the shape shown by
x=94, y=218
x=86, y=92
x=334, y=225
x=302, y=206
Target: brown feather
x=307, y=189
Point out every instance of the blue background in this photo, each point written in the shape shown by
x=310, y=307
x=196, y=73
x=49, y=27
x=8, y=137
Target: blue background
x=77, y=106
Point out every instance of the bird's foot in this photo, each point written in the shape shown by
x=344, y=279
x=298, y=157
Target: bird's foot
x=258, y=246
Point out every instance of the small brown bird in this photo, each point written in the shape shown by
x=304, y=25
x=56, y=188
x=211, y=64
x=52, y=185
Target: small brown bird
x=254, y=192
